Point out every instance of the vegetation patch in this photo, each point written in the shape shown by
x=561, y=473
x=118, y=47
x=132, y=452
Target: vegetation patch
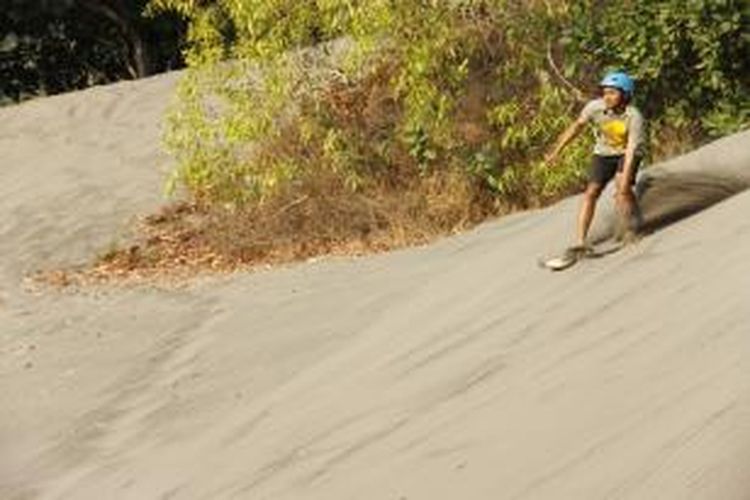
x=306, y=128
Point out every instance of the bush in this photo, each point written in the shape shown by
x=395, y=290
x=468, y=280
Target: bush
x=412, y=89
x=364, y=101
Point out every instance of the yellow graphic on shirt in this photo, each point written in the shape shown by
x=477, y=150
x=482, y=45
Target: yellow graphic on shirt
x=615, y=133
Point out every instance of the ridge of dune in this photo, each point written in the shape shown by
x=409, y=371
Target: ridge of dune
x=76, y=168
x=456, y=370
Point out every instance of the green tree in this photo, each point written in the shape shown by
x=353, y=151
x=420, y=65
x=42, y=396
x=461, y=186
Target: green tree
x=691, y=58
x=50, y=46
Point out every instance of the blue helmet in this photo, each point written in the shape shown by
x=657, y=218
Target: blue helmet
x=619, y=80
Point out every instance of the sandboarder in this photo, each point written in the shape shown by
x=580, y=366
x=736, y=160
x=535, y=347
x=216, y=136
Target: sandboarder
x=619, y=132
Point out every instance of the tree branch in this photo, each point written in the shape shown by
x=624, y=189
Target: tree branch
x=577, y=93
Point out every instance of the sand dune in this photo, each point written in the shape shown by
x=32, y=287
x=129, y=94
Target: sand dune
x=454, y=371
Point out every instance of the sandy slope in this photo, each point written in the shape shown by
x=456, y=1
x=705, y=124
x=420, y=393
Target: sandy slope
x=456, y=371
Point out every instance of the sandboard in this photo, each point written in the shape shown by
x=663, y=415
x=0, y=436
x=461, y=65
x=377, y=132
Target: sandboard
x=564, y=261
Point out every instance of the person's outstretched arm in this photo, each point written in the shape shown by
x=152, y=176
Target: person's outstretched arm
x=570, y=133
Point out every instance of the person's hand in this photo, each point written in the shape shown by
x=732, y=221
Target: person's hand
x=624, y=191
x=551, y=158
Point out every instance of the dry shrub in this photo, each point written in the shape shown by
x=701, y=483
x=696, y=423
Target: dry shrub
x=183, y=239
x=366, y=194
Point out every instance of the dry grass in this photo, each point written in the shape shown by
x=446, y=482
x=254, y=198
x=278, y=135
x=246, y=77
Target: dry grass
x=184, y=240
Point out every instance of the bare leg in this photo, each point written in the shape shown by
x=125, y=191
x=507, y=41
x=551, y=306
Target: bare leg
x=625, y=200
x=586, y=215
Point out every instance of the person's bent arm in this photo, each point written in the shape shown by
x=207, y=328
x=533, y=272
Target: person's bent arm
x=635, y=138
x=627, y=169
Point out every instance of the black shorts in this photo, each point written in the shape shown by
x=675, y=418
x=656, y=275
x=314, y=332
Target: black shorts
x=604, y=168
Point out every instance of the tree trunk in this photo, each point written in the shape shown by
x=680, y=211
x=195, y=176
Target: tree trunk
x=139, y=63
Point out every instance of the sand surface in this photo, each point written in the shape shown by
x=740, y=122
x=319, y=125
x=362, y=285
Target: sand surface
x=455, y=371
